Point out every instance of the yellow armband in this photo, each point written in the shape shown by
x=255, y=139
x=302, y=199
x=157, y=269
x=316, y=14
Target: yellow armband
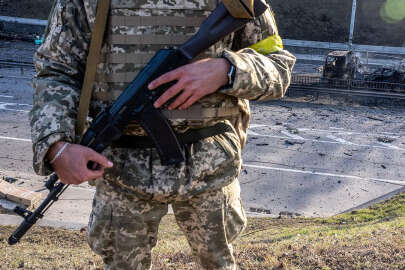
x=269, y=45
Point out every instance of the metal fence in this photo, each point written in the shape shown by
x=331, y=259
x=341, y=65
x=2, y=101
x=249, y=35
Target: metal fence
x=343, y=46
x=320, y=82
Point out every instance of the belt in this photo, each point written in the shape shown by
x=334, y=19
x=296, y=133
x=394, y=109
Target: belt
x=188, y=137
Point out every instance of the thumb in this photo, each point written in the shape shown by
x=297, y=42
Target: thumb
x=98, y=158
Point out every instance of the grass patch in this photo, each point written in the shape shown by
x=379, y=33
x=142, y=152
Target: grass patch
x=372, y=238
x=378, y=212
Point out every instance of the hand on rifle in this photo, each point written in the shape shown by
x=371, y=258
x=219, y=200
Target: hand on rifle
x=71, y=165
x=194, y=81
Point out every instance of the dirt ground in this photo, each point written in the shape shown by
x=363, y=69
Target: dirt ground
x=317, y=20
x=369, y=239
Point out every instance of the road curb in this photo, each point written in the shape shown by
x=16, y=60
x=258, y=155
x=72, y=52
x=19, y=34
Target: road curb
x=12, y=220
x=22, y=26
x=296, y=91
x=376, y=200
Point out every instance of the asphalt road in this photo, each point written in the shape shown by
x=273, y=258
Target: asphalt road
x=303, y=157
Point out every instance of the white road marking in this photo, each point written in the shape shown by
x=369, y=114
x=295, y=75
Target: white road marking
x=4, y=105
x=292, y=136
x=388, y=181
x=14, y=110
x=331, y=142
x=268, y=136
x=6, y=96
x=256, y=125
x=336, y=130
x=253, y=133
x=14, y=104
x=388, y=145
x=335, y=139
x=387, y=133
x=342, y=141
x=313, y=130
x=16, y=77
x=14, y=139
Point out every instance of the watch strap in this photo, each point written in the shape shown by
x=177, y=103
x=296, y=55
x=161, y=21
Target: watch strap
x=231, y=75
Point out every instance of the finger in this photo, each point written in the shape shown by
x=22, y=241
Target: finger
x=64, y=177
x=168, y=94
x=87, y=175
x=76, y=181
x=180, y=99
x=91, y=175
x=69, y=180
x=190, y=101
x=98, y=158
x=165, y=78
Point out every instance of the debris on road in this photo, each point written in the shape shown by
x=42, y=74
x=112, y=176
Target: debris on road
x=293, y=142
x=7, y=207
x=10, y=195
x=262, y=144
x=286, y=214
x=10, y=180
x=385, y=139
x=375, y=118
x=292, y=130
x=287, y=107
x=260, y=210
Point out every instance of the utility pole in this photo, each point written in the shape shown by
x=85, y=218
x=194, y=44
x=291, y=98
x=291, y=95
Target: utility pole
x=353, y=20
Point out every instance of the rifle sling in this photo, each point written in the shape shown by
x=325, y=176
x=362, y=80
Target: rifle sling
x=188, y=137
x=93, y=59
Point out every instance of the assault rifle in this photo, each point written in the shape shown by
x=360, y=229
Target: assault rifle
x=136, y=103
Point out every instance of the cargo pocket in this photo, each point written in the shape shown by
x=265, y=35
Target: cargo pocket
x=235, y=216
x=99, y=233
x=214, y=163
x=229, y=143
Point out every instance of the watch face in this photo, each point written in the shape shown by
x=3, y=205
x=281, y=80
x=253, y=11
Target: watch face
x=231, y=74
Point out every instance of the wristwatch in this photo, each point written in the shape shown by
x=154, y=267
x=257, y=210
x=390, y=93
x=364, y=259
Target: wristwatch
x=231, y=75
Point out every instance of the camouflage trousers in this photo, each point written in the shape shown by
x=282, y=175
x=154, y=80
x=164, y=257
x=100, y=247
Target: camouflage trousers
x=123, y=228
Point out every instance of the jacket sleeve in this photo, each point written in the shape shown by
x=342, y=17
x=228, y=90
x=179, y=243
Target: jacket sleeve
x=258, y=76
x=60, y=64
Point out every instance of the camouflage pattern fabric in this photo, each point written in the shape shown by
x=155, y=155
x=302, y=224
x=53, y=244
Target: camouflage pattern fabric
x=210, y=164
x=60, y=63
x=204, y=190
x=123, y=228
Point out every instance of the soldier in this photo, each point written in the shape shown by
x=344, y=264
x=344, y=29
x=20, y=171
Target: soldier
x=133, y=190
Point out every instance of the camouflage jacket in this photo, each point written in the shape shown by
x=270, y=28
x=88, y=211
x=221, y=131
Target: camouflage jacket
x=60, y=64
